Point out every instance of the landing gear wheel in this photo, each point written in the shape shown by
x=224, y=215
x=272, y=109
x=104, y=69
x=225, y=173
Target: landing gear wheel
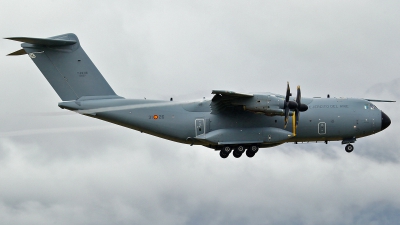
x=225, y=151
x=236, y=154
x=238, y=151
x=349, y=148
x=240, y=148
x=250, y=154
x=223, y=155
x=254, y=148
x=252, y=151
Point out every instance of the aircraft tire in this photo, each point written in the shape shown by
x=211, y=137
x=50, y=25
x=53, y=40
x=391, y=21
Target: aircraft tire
x=240, y=148
x=253, y=148
x=249, y=153
x=223, y=155
x=226, y=149
x=349, y=148
x=237, y=153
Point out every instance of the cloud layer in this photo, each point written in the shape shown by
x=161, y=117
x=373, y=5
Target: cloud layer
x=71, y=169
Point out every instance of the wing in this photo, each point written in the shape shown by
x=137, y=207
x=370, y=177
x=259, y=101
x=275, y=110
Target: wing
x=377, y=100
x=222, y=101
x=230, y=93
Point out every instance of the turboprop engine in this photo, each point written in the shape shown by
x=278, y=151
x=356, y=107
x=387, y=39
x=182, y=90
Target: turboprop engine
x=273, y=105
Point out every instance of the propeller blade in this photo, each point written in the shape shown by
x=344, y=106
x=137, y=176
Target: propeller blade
x=287, y=93
x=298, y=97
x=286, y=116
x=300, y=107
x=286, y=104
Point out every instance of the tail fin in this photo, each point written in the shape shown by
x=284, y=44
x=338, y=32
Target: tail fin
x=66, y=66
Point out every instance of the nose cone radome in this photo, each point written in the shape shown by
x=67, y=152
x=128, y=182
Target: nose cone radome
x=385, y=121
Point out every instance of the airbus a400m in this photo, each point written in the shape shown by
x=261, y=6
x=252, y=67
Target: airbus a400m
x=230, y=122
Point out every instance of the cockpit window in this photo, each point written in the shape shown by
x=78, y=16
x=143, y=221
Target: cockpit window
x=370, y=106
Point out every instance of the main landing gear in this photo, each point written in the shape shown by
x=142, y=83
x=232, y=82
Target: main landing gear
x=238, y=151
x=349, y=148
x=225, y=151
x=251, y=151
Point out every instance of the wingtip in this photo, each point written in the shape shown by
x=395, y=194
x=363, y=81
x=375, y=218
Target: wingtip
x=378, y=100
x=19, y=52
x=11, y=38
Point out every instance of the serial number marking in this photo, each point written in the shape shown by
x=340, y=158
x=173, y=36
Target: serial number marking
x=82, y=73
x=329, y=106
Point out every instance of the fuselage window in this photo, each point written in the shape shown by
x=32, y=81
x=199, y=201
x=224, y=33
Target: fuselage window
x=370, y=106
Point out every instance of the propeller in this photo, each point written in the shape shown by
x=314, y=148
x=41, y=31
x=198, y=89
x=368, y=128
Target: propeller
x=288, y=105
x=293, y=105
x=300, y=107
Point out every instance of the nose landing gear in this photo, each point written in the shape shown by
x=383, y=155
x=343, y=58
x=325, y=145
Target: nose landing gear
x=349, y=148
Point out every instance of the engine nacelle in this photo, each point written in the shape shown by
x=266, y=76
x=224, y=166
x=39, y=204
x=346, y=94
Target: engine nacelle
x=269, y=105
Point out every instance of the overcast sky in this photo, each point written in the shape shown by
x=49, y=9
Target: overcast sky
x=62, y=168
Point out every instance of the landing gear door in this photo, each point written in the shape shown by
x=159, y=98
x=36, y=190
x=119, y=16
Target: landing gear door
x=200, y=127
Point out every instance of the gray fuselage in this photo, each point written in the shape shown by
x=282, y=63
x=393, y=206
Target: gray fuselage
x=328, y=119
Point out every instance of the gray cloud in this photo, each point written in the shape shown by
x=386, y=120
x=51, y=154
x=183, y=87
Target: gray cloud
x=77, y=170
x=386, y=89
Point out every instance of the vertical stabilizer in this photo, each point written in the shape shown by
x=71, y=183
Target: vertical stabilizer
x=65, y=65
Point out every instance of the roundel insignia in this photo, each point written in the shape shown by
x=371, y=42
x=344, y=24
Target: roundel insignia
x=32, y=55
x=155, y=117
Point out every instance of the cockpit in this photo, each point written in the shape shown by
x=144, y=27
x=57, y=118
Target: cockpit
x=370, y=106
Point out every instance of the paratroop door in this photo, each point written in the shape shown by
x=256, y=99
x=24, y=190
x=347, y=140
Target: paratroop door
x=200, y=127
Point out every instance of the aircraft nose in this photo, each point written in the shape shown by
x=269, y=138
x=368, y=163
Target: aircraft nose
x=385, y=121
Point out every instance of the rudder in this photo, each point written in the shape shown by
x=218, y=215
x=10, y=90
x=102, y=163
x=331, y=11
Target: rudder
x=65, y=65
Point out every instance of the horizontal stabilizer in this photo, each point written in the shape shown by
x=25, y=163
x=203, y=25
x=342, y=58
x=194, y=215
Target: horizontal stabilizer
x=19, y=52
x=43, y=41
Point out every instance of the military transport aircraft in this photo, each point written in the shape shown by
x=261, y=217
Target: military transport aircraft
x=230, y=122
